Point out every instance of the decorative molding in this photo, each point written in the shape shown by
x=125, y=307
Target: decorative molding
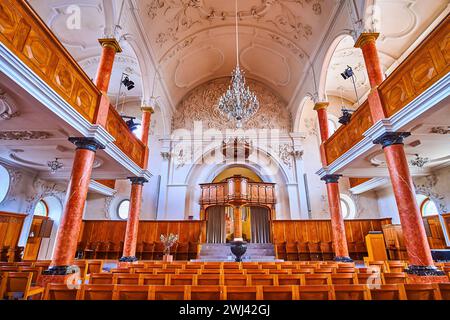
x=97, y=187
x=181, y=16
x=24, y=135
x=440, y=130
x=369, y=185
x=201, y=105
x=8, y=108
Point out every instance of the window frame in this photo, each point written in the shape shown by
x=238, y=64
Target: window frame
x=118, y=209
x=8, y=178
x=47, y=210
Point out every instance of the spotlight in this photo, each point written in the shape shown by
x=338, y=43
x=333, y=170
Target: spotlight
x=346, y=116
x=130, y=123
x=128, y=83
x=348, y=73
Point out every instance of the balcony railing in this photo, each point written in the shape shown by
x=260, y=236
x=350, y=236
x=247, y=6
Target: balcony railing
x=24, y=33
x=255, y=193
x=426, y=65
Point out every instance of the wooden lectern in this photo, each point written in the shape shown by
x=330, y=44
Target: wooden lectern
x=376, y=247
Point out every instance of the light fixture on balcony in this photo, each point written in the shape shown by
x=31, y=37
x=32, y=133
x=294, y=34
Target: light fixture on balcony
x=130, y=123
x=346, y=116
x=238, y=103
x=419, y=161
x=54, y=165
x=347, y=74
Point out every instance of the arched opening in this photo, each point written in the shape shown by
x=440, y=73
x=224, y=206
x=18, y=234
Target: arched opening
x=255, y=224
x=44, y=227
x=4, y=185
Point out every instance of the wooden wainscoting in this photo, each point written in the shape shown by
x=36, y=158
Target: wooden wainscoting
x=321, y=231
x=104, y=239
x=10, y=228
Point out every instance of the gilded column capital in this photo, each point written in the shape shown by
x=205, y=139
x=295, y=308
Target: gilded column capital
x=365, y=38
x=147, y=109
x=111, y=43
x=321, y=105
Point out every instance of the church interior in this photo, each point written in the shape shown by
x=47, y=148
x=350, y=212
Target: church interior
x=224, y=150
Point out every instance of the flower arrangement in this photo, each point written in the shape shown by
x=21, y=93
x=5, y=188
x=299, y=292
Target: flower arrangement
x=168, y=242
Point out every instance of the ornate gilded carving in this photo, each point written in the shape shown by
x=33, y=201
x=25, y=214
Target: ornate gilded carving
x=201, y=105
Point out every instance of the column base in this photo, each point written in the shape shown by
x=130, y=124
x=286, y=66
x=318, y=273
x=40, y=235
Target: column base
x=427, y=279
x=61, y=270
x=424, y=271
x=128, y=259
x=343, y=259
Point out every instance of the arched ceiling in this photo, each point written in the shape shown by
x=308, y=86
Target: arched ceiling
x=194, y=41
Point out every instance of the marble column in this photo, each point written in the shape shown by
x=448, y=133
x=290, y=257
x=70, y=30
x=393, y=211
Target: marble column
x=145, y=123
x=131, y=233
x=237, y=217
x=321, y=108
x=416, y=242
x=110, y=47
x=367, y=43
x=337, y=221
x=77, y=190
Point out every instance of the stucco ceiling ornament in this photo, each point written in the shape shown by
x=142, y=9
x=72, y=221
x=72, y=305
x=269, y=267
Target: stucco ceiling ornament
x=200, y=105
x=182, y=15
x=8, y=109
x=24, y=135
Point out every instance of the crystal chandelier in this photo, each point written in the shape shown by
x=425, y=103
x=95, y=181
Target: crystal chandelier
x=54, y=165
x=238, y=103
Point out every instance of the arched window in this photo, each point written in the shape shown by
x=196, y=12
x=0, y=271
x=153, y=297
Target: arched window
x=332, y=127
x=41, y=209
x=428, y=208
x=348, y=207
x=4, y=183
x=123, y=209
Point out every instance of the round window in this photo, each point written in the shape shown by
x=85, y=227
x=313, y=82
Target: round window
x=4, y=183
x=123, y=209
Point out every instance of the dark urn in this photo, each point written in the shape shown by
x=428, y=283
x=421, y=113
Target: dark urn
x=238, y=248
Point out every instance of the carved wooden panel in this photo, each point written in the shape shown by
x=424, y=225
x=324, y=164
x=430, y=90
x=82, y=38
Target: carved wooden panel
x=348, y=135
x=125, y=139
x=149, y=231
x=255, y=193
x=26, y=35
x=320, y=230
x=424, y=67
x=10, y=227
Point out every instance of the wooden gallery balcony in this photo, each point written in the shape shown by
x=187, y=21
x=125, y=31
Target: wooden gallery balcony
x=424, y=67
x=29, y=39
x=238, y=191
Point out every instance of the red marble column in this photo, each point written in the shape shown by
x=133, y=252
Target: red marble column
x=146, y=120
x=321, y=108
x=416, y=242
x=77, y=190
x=367, y=43
x=337, y=221
x=109, y=49
x=129, y=247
